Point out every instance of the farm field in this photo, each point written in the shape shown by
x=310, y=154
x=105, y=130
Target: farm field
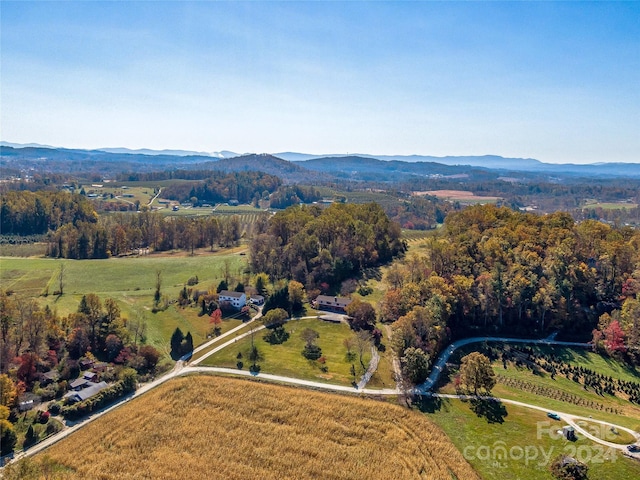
x=286, y=359
x=497, y=438
x=462, y=196
x=590, y=203
x=131, y=282
x=215, y=427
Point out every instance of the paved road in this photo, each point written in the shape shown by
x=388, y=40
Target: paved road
x=373, y=366
x=181, y=368
x=289, y=380
x=567, y=417
x=427, y=386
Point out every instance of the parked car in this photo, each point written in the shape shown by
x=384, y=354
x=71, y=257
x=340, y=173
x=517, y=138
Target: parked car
x=555, y=416
x=633, y=448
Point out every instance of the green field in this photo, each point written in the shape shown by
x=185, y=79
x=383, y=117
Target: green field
x=131, y=282
x=520, y=383
x=509, y=442
x=286, y=358
x=591, y=204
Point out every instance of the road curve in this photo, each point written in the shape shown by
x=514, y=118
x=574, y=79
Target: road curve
x=431, y=380
x=181, y=368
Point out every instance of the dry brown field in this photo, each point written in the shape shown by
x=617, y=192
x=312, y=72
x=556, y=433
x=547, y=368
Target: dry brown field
x=458, y=195
x=206, y=427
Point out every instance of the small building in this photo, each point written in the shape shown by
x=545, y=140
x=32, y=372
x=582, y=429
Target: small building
x=332, y=304
x=27, y=401
x=235, y=299
x=257, y=299
x=569, y=433
x=85, y=381
x=86, y=363
x=100, y=366
x=79, y=396
x=49, y=377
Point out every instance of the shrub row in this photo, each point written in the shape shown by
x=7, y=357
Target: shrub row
x=101, y=399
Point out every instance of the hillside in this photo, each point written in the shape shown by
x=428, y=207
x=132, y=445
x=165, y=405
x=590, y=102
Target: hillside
x=211, y=427
x=263, y=163
x=366, y=168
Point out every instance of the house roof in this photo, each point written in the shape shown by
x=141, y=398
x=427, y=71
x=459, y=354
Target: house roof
x=51, y=375
x=228, y=293
x=87, y=392
x=335, y=301
x=78, y=382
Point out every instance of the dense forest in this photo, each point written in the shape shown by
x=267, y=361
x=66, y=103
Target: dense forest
x=493, y=270
x=241, y=186
x=288, y=195
x=31, y=213
x=321, y=247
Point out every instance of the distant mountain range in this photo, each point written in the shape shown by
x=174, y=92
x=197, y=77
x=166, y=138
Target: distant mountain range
x=392, y=167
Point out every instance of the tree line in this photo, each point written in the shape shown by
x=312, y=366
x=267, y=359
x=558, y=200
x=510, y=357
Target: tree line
x=120, y=234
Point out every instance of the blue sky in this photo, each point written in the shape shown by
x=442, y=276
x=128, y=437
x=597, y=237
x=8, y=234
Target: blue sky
x=559, y=82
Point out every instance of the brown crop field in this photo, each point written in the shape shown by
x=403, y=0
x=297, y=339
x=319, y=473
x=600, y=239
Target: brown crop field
x=462, y=196
x=222, y=428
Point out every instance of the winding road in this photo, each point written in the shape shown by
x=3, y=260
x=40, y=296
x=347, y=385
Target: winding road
x=184, y=368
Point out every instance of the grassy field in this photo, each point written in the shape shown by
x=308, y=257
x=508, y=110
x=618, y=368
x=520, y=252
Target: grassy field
x=591, y=203
x=286, y=358
x=509, y=442
x=560, y=393
x=213, y=427
x=131, y=282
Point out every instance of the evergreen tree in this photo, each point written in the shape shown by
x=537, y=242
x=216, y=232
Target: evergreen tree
x=176, y=343
x=187, y=346
x=222, y=286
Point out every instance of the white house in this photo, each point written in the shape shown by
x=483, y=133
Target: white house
x=235, y=299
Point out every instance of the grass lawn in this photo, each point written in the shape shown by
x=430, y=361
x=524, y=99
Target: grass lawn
x=131, y=282
x=510, y=442
x=286, y=358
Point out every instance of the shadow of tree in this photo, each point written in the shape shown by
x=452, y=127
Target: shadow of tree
x=428, y=404
x=493, y=410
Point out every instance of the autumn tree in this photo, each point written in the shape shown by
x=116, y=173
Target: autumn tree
x=614, y=338
x=311, y=350
x=362, y=315
x=8, y=391
x=274, y=318
x=415, y=365
x=296, y=295
x=476, y=373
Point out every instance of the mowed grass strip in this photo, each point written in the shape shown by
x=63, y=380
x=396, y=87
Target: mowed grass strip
x=509, y=442
x=222, y=428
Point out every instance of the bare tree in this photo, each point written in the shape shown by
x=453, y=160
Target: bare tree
x=61, y=278
x=363, y=344
x=157, y=296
